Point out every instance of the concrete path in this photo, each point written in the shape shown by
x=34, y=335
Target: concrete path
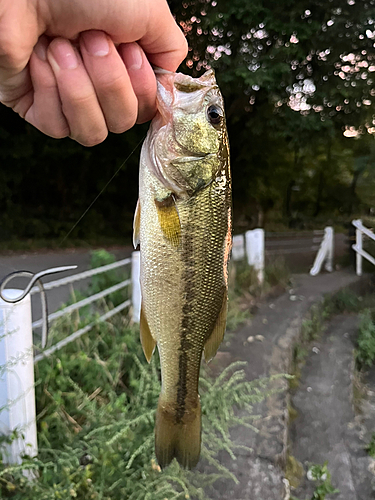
x=326, y=427
x=267, y=346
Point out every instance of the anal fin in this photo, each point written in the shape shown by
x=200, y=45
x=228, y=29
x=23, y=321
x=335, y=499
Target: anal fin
x=214, y=340
x=147, y=340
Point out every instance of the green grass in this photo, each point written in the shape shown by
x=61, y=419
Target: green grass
x=370, y=448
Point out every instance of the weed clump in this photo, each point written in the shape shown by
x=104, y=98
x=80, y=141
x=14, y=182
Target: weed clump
x=366, y=340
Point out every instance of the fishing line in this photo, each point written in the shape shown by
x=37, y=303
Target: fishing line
x=10, y=267
x=97, y=196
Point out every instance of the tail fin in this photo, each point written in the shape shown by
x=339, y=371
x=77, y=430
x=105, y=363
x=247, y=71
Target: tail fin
x=180, y=440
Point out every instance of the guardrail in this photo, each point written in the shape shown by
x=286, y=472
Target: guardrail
x=360, y=233
x=134, y=261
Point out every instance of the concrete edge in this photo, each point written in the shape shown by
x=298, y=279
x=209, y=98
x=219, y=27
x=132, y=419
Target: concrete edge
x=282, y=362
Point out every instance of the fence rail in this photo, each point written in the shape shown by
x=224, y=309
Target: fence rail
x=89, y=300
x=362, y=231
x=292, y=242
x=74, y=336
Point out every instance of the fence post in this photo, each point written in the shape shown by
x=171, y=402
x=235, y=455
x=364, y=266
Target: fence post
x=238, y=247
x=17, y=393
x=329, y=234
x=359, y=245
x=136, y=286
x=255, y=251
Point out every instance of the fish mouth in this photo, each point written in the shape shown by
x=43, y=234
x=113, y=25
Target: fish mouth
x=168, y=83
x=191, y=157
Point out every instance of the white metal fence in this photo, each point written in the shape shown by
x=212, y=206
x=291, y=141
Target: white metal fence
x=362, y=233
x=255, y=245
x=17, y=359
x=17, y=396
x=135, y=300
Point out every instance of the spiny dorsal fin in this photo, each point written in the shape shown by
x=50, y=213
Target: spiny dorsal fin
x=147, y=340
x=214, y=340
x=169, y=219
x=136, y=224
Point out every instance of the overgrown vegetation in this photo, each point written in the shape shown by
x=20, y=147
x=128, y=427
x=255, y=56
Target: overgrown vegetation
x=366, y=339
x=322, y=477
x=370, y=448
x=96, y=400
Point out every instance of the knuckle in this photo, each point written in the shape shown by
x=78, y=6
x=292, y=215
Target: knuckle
x=13, y=58
x=82, y=99
x=147, y=90
x=184, y=48
x=113, y=85
x=91, y=140
x=57, y=132
x=119, y=126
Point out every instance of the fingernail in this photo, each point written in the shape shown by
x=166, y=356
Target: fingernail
x=96, y=43
x=40, y=49
x=133, y=56
x=64, y=54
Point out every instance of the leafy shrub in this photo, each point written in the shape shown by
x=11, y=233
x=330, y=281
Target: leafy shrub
x=246, y=280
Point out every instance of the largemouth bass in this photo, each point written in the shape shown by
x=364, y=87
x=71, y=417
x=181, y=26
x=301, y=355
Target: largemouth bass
x=183, y=225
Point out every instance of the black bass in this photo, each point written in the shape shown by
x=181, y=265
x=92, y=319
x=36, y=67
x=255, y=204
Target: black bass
x=183, y=225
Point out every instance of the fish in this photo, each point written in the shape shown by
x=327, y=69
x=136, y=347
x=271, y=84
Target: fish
x=183, y=223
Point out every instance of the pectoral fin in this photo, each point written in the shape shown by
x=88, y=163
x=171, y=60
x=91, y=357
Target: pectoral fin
x=147, y=340
x=136, y=224
x=214, y=340
x=169, y=219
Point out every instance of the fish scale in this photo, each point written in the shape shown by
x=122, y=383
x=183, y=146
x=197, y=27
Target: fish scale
x=183, y=224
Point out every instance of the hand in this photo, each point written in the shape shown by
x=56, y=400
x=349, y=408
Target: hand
x=82, y=68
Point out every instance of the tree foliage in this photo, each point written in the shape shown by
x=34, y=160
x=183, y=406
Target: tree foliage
x=296, y=76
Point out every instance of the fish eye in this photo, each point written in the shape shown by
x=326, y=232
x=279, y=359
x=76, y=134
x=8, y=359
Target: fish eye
x=214, y=114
